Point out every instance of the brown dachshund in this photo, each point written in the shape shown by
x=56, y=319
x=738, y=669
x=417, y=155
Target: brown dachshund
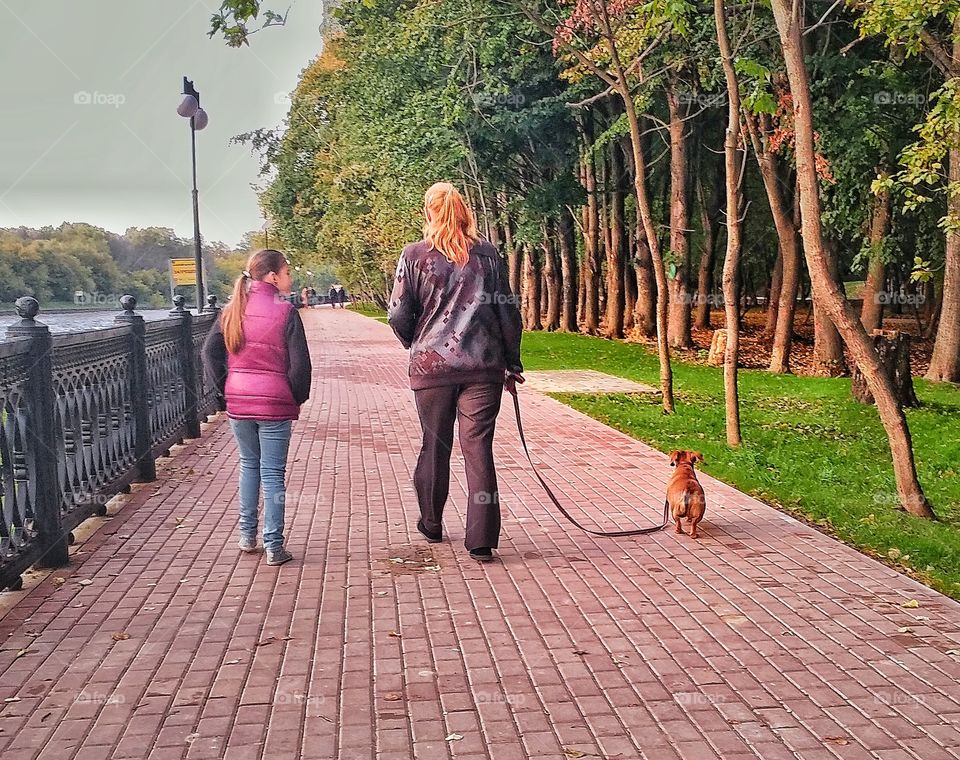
x=684, y=494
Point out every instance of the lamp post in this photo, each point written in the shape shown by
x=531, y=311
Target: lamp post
x=190, y=108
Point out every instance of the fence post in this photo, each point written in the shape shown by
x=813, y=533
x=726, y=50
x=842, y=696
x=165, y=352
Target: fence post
x=139, y=389
x=188, y=366
x=40, y=404
x=212, y=304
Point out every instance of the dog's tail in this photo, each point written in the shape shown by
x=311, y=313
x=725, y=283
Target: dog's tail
x=686, y=505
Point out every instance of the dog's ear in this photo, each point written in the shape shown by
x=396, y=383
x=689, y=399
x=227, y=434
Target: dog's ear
x=698, y=457
x=674, y=457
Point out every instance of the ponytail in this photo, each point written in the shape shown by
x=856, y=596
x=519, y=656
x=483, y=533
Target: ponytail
x=451, y=227
x=259, y=265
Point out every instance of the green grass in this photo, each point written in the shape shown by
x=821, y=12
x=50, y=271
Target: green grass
x=808, y=447
x=370, y=310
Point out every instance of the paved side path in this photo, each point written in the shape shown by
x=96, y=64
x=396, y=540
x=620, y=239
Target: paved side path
x=763, y=640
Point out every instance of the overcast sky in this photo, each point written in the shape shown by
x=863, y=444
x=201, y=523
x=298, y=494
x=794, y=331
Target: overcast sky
x=123, y=158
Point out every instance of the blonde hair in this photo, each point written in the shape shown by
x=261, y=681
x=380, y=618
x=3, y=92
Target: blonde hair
x=259, y=265
x=450, y=226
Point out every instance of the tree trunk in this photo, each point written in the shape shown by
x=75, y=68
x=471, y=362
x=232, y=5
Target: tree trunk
x=645, y=310
x=591, y=243
x=615, y=246
x=629, y=296
x=825, y=287
x=871, y=313
x=893, y=348
x=531, y=289
x=945, y=362
x=705, y=271
x=551, y=276
x=646, y=215
x=678, y=326
x=732, y=257
x=513, y=258
x=828, y=358
x=773, y=294
x=568, y=267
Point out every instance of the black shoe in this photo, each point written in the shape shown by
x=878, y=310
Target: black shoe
x=483, y=554
x=432, y=538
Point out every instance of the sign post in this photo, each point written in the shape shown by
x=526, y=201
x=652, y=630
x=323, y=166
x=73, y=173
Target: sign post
x=182, y=272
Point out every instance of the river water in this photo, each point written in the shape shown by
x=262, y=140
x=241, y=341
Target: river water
x=77, y=321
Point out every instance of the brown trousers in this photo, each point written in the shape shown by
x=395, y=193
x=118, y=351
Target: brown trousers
x=476, y=407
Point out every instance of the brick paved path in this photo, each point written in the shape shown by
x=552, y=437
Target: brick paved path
x=765, y=639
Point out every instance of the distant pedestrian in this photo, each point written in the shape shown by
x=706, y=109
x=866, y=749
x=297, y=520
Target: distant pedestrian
x=304, y=297
x=452, y=307
x=256, y=354
x=342, y=296
x=333, y=297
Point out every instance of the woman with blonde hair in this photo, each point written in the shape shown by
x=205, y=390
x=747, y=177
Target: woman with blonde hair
x=256, y=354
x=452, y=307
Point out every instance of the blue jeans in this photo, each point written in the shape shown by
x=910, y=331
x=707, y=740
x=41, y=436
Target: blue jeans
x=263, y=459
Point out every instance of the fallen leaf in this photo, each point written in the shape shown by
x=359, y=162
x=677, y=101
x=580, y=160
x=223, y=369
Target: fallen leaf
x=268, y=640
x=911, y=605
x=58, y=582
x=841, y=740
x=45, y=716
x=24, y=653
x=580, y=651
x=905, y=629
x=122, y=636
x=398, y=560
x=454, y=738
x=953, y=652
x=85, y=582
x=8, y=700
x=395, y=635
x=573, y=753
x=381, y=593
x=392, y=696
x=232, y=662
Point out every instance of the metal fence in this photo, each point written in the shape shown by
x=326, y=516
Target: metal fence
x=83, y=415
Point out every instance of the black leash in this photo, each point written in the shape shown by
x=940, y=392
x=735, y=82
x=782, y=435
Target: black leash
x=559, y=506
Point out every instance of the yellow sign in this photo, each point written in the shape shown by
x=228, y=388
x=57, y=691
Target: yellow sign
x=183, y=271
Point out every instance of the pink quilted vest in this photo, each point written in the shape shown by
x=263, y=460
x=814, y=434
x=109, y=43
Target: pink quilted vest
x=257, y=387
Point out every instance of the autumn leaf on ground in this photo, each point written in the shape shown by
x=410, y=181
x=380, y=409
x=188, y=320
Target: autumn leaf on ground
x=122, y=636
x=911, y=605
x=392, y=696
x=841, y=740
x=85, y=582
x=454, y=738
x=24, y=653
x=573, y=753
x=395, y=635
x=580, y=651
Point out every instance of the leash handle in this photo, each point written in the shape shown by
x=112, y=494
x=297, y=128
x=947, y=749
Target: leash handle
x=512, y=388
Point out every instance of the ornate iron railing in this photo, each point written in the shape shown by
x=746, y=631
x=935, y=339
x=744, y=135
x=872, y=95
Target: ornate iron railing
x=83, y=415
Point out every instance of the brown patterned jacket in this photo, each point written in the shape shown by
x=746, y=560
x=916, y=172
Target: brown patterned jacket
x=462, y=325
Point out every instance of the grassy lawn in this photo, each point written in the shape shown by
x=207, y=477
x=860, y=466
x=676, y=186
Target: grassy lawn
x=369, y=310
x=808, y=448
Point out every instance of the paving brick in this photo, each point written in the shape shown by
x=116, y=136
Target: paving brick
x=775, y=642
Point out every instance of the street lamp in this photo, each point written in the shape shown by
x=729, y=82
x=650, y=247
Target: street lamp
x=190, y=108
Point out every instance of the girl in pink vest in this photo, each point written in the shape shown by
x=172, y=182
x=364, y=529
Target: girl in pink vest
x=257, y=356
